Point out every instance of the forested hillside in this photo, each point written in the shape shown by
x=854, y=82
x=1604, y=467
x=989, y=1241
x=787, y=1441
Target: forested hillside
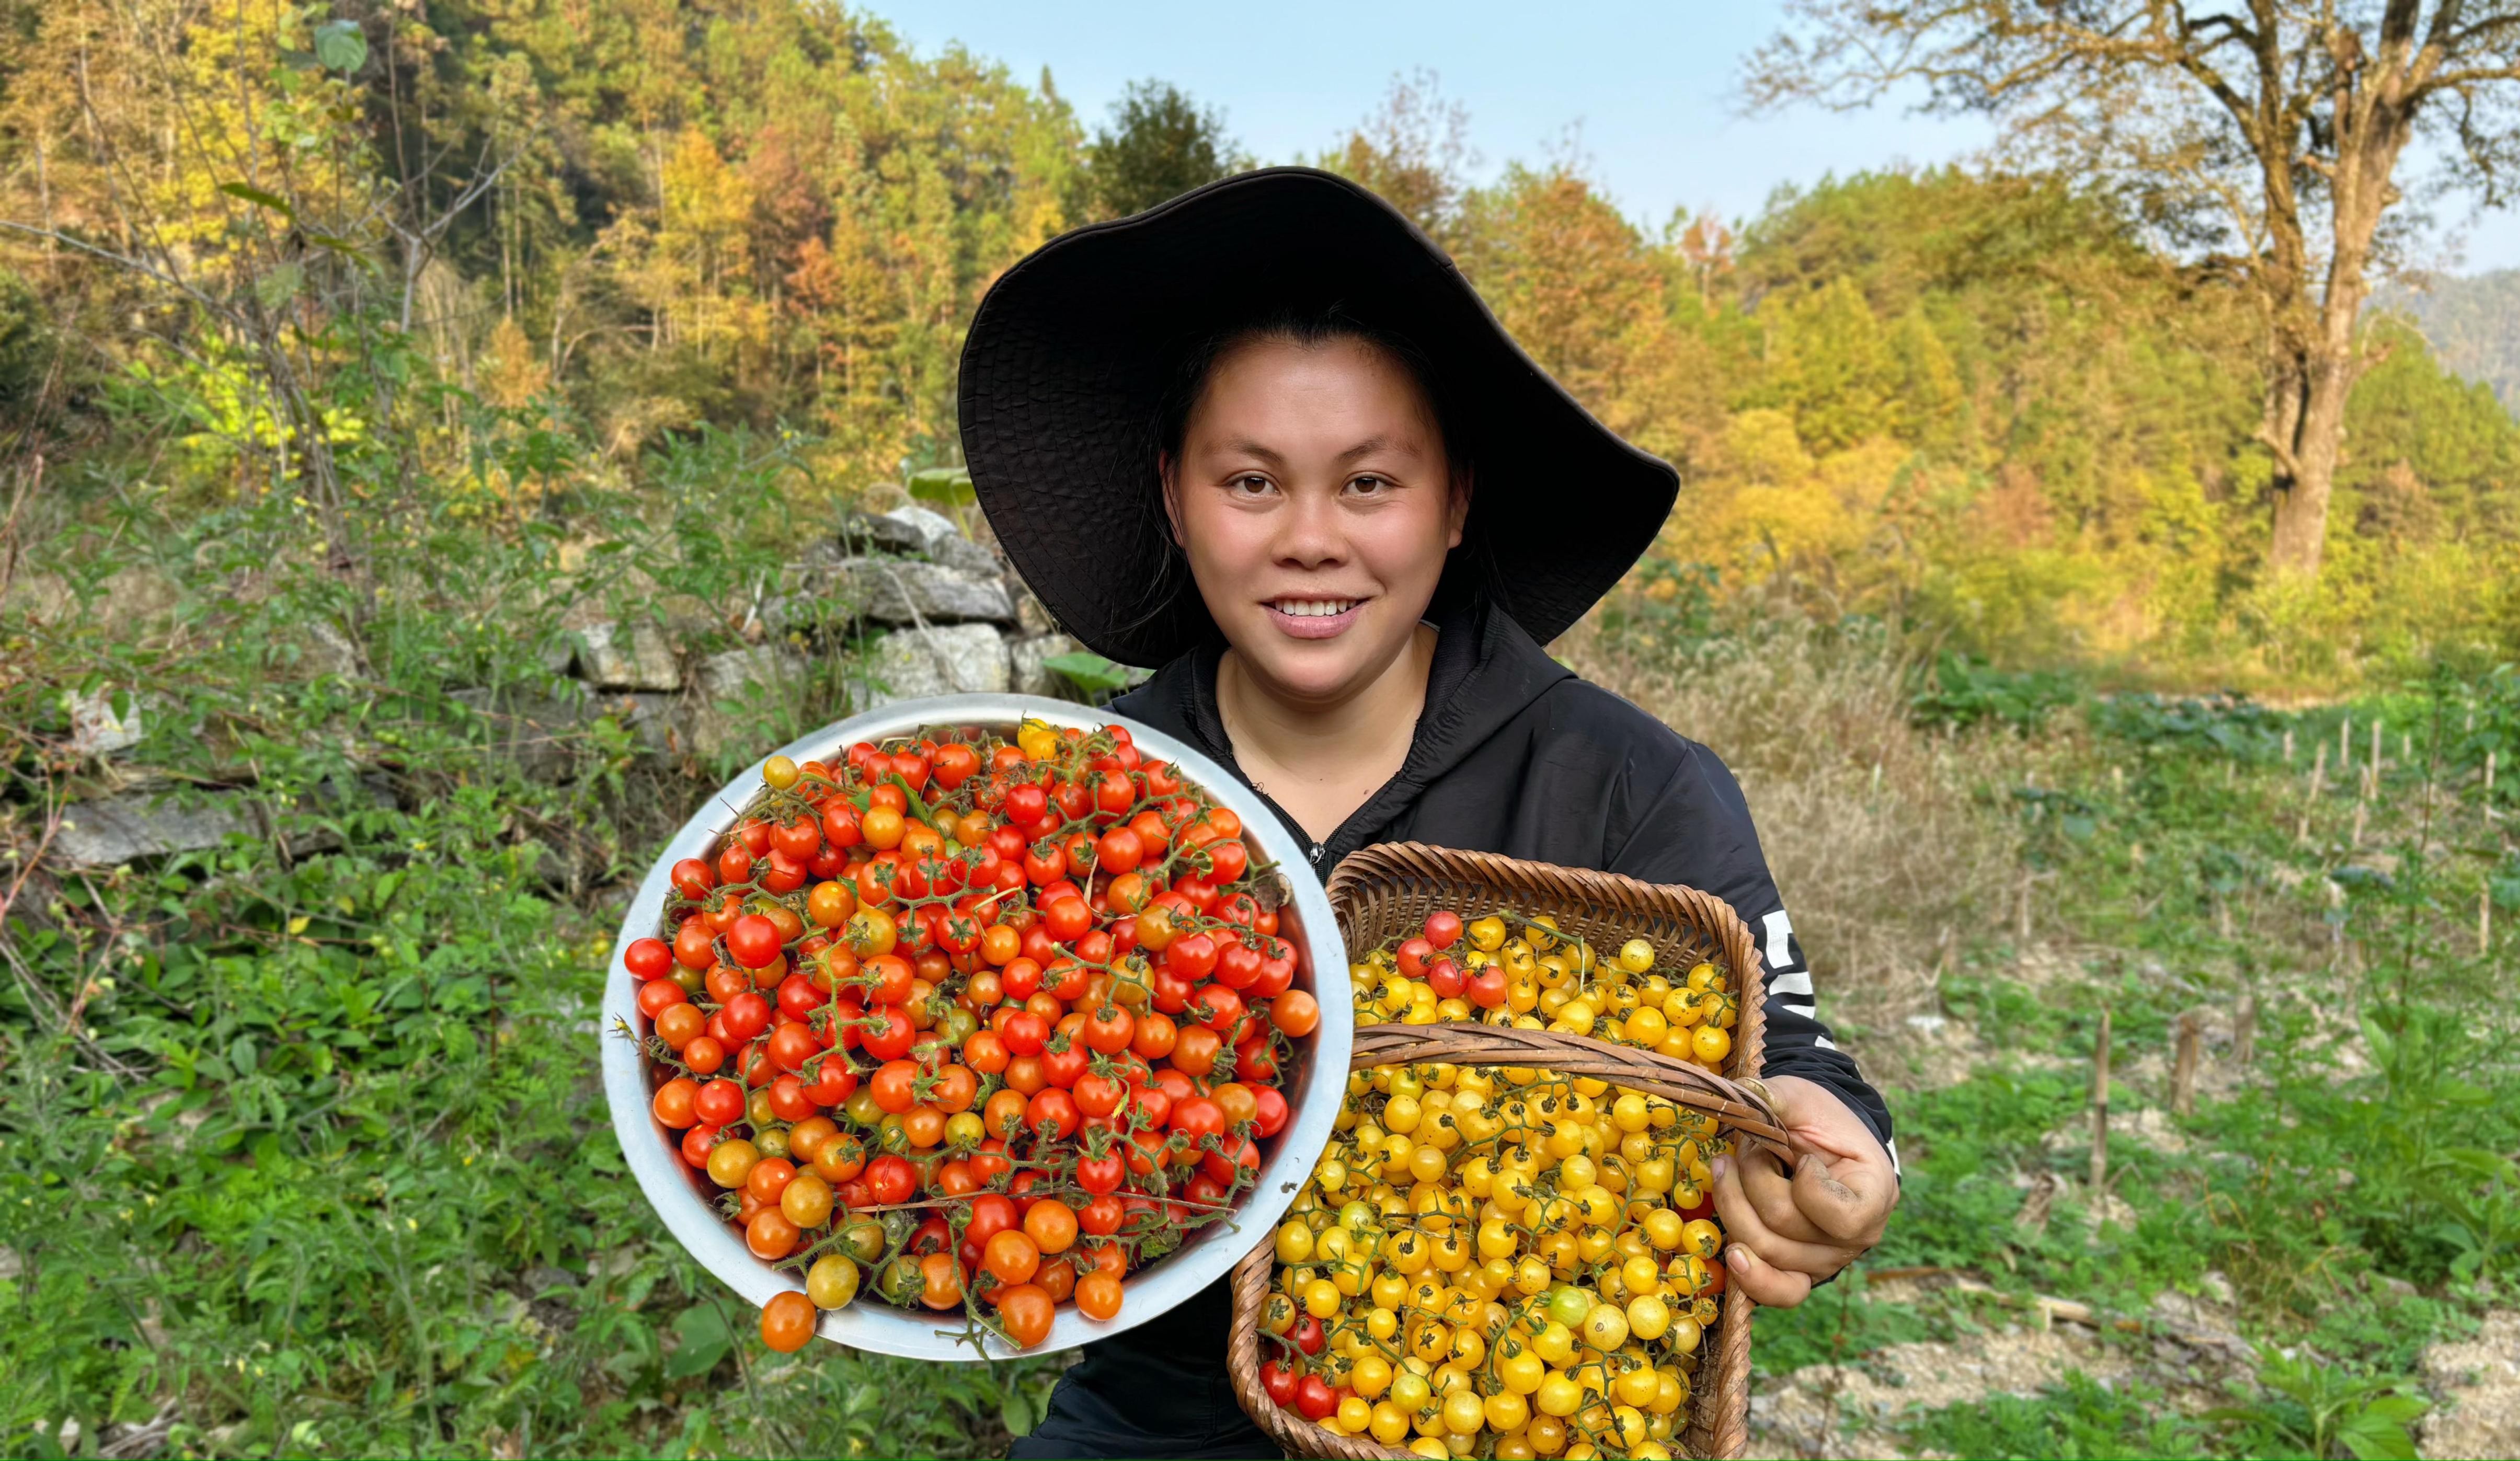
x=1983, y=407
x=2473, y=324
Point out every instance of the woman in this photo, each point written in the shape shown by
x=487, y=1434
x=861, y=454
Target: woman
x=1267, y=437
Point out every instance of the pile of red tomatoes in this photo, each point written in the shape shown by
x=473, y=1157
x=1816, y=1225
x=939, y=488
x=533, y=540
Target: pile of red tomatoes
x=972, y=1024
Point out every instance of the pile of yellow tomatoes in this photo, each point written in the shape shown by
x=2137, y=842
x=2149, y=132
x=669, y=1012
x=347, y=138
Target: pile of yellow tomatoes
x=1505, y=1261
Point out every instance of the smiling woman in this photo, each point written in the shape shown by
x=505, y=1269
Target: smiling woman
x=1312, y=488
x=1267, y=437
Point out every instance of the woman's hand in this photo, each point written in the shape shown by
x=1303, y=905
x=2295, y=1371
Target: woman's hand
x=1787, y=1230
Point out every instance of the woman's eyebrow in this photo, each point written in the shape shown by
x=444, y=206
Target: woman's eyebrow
x=1246, y=447
x=1373, y=444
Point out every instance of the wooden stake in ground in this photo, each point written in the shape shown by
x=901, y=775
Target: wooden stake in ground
x=2484, y=921
x=2028, y=877
x=2489, y=773
x=2100, y=1111
x=2373, y=769
x=2183, y=1066
x=2318, y=784
x=2244, y=1032
x=2345, y=745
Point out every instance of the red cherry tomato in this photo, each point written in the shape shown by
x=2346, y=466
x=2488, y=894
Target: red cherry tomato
x=1278, y=1384
x=754, y=942
x=1268, y=1111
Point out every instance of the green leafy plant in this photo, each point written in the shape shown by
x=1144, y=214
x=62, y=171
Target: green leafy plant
x=1961, y=692
x=2323, y=1408
x=1098, y=678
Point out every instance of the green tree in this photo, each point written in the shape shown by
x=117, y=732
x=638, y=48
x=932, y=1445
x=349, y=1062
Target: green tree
x=1158, y=143
x=1830, y=364
x=2271, y=133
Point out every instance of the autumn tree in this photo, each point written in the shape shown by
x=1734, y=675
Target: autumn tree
x=1579, y=289
x=2273, y=132
x=1158, y=143
x=1415, y=151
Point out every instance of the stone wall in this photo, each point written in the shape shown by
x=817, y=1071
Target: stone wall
x=929, y=611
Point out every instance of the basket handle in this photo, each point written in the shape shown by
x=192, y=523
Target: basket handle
x=1743, y=1107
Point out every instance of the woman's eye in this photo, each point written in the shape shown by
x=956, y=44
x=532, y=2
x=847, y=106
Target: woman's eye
x=1367, y=483
x=1252, y=484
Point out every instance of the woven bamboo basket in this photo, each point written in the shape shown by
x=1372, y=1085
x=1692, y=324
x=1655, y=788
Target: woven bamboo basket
x=1387, y=891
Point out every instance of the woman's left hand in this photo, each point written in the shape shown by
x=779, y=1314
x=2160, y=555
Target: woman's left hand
x=1787, y=1230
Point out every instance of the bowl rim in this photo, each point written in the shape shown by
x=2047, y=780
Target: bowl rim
x=648, y=1146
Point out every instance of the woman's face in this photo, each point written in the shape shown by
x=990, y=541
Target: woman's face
x=1314, y=501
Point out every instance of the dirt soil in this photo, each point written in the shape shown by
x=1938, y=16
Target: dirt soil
x=1836, y=1411
x=2476, y=1391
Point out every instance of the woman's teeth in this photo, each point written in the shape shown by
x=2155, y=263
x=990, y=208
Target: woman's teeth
x=1314, y=608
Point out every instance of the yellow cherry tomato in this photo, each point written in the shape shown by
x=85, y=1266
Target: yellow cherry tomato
x=1558, y=1395
x=1605, y=1329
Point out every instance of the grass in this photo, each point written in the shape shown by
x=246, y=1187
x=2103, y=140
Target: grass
x=2355, y=1184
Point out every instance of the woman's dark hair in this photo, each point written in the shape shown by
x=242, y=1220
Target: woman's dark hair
x=1307, y=328
x=1196, y=363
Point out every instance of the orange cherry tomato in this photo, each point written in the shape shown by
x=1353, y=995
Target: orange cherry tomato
x=1097, y=1295
x=942, y=1286
x=1012, y=1257
x=769, y=1177
x=1026, y=1313
x=1295, y=1013
x=787, y=1321
x=1004, y=1114
x=1050, y=1225
x=1195, y=1050
x=770, y=1235
x=672, y=1104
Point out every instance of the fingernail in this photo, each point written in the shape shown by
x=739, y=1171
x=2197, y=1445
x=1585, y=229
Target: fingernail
x=1720, y=1166
x=1737, y=1260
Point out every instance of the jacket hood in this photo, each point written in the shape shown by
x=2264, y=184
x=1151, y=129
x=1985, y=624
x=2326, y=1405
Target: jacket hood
x=1487, y=669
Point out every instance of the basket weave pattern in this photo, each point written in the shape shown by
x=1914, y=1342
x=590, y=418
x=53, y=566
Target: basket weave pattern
x=1385, y=891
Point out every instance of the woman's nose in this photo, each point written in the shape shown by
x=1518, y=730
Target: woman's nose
x=1309, y=532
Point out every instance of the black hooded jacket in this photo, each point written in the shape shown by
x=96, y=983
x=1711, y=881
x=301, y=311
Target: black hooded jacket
x=1513, y=754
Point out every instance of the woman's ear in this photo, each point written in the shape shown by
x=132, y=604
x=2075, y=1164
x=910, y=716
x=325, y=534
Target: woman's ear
x=1457, y=511
x=1166, y=479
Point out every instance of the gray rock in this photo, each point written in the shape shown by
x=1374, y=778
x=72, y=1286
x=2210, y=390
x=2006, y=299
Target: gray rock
x=116, y=829
x=1029, y=676
x=329, y=651
x=928, y=524
x=1030, y=616
x=758, y=666
x=632, y=657
x=96, y=729
x=946, y=660
x=865, y=532
x=895, y=590
x=941, y=540
x=534, y=730
x=648, y=715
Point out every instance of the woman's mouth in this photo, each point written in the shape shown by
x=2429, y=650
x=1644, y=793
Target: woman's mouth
x=1315, y=618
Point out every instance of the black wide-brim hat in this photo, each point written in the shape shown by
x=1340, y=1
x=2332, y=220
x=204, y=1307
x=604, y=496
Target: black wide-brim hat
x=1074, y=350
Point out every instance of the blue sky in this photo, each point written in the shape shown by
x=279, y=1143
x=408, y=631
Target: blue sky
x=1645, y=92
